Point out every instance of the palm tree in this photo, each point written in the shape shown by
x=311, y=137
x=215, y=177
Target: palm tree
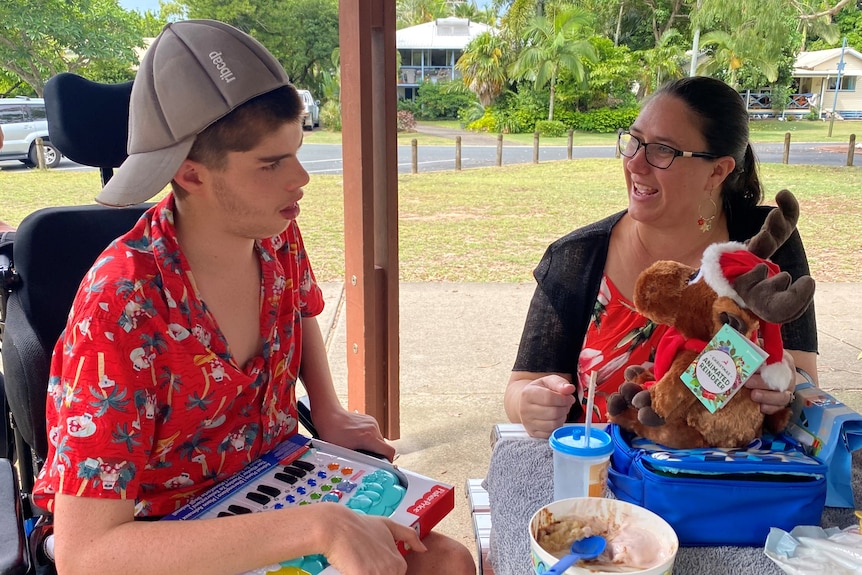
x=415, y=12
x=664, y=62
x=731, y=52
x=483, y=67
x=552, y=45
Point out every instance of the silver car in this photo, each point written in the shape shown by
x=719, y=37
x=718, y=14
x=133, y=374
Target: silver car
x=311, y=110
x=23, y=120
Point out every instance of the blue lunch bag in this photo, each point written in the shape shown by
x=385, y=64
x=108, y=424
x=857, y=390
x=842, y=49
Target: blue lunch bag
x=720, y=496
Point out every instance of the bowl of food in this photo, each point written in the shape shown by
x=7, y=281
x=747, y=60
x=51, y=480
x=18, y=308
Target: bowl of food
x=638, y=541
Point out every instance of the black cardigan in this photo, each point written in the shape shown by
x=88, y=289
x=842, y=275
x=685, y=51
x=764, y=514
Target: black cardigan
x=569, y=276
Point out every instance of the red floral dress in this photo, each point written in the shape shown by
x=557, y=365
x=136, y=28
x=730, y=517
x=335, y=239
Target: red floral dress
x=617, y=337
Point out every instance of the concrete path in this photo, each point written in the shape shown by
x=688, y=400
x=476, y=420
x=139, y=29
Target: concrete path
x=458, y=343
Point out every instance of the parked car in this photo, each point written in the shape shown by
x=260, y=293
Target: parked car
x=23, y=120
x=311, y=110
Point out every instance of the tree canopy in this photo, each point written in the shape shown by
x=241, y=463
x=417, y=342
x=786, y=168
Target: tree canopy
x=41, y=38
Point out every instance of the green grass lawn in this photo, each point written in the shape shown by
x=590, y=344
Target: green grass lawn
x=493, y=224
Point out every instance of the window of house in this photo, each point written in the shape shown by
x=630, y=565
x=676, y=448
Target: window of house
x=848, y=84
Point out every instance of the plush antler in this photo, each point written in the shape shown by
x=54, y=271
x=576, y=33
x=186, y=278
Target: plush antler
x=775, y=299
x=778, y=226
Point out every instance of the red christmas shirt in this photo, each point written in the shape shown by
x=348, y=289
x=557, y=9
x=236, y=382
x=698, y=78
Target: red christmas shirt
x=144, y=399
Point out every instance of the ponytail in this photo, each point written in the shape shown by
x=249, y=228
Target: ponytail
x=742, y=189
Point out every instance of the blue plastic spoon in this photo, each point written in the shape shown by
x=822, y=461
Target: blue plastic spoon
x=587, y=548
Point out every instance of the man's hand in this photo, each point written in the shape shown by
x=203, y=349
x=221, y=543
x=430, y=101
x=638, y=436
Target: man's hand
x=353, y=431
x=365, y=545
x=544, y=405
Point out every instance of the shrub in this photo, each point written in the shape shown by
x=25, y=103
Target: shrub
x=813, y=114
x=471, y=113
x=487, y=123
x=405, y=121
x=605, y=120
x=441, y=100
x=551, y=128
x=567, y=117
x=330, y=116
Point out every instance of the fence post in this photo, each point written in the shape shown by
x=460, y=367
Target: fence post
x=414, y=148
x=786, y=158
x=40, y=153
x=851, y=149
x=499, y=150
x=458, y=153
x=571, y=134
x=535, y=147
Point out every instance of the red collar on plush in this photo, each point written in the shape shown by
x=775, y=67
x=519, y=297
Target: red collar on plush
x=671, y=343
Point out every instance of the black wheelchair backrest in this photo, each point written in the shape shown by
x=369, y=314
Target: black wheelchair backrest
x=54, y=248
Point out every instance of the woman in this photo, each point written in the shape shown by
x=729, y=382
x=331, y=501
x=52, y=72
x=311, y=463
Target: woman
x=692, y=181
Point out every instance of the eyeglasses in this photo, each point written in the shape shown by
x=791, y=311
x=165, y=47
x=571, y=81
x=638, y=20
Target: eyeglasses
x=660, y=156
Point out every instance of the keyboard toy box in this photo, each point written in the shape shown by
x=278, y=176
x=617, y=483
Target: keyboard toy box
x=302, y=471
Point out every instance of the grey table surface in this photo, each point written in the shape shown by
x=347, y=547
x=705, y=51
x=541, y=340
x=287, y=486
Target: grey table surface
x=520, y=481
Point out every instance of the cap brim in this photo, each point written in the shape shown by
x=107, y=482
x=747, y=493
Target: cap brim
x=144, y=175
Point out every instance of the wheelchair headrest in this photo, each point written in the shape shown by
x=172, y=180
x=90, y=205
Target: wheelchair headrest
x=88, y=121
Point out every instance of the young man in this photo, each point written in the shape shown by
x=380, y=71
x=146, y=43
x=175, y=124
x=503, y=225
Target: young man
x=180, y=356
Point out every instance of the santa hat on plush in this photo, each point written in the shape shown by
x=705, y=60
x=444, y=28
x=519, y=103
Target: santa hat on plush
x=722, y=264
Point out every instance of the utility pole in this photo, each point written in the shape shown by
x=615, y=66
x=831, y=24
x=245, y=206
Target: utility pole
x=695, y=41
x=619, y=24
x=837, y=85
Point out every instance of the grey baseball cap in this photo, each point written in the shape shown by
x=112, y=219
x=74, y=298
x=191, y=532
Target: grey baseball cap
x=194, y=73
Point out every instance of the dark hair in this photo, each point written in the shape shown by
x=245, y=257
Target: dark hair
x=724, y=125
x=243, y=128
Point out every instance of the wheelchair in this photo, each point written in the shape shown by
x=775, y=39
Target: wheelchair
x=41, y=266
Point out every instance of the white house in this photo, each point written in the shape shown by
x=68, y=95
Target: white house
x=429, y=51
x=817, y=73
x=815, y=76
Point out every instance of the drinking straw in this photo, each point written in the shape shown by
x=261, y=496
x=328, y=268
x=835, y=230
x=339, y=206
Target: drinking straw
x=591, y=390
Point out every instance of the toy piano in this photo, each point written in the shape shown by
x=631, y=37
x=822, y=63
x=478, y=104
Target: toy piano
x=302, y=471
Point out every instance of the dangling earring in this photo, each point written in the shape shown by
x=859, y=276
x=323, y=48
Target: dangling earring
x=705, y=224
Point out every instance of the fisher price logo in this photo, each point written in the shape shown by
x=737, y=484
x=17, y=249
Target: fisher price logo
x=427, y=500
x=224, y=72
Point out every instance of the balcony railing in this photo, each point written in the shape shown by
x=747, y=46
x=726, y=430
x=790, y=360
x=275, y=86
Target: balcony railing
x=415, y=75
x=755, y=101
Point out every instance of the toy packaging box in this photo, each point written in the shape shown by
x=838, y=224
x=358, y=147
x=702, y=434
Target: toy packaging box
x=303, y=471
x=830, y=431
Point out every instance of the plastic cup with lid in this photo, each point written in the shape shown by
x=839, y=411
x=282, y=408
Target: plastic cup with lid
x=580, y=465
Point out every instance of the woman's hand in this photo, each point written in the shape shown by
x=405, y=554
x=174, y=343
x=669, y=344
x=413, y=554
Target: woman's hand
x=544, y=404
x=352, y=430
x=770, y=400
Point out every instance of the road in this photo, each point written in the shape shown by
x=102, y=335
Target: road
x=326, y=158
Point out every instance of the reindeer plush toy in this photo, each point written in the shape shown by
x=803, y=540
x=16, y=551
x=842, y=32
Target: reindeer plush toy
x=736, y=285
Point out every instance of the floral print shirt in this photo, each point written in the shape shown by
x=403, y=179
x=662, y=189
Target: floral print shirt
x=145, y=401
x=617, y=337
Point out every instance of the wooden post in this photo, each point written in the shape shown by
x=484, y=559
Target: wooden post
x=499, y=149
x=851, y=149
x=40, y=153
x=535, y=147
x=414, y=156
x=571, y=134
x=370, y=152
x=786, y=158
x=458, y=153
